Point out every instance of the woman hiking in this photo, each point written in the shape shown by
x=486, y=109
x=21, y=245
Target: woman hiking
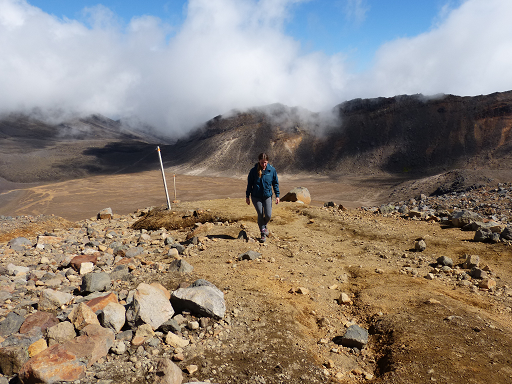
x=260, y=182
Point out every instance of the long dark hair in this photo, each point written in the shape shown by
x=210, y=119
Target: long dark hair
x=261, y=156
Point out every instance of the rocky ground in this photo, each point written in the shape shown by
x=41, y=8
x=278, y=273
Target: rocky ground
x=435, y=303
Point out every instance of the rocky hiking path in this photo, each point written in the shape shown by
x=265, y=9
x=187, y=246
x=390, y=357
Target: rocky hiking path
x=401, y=293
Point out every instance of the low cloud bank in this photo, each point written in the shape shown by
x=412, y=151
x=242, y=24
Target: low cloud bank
x=230, y=54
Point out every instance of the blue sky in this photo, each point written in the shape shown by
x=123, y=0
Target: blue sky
x=176, y=64
x=355, y=27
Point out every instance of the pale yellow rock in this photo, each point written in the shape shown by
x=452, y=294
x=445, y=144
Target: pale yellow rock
x=145, y=330
x=36, y=347
x=344, y=299
x=191, y=369
x=82, y=316
x=175, y=341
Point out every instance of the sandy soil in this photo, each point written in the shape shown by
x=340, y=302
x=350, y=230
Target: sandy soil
x=84, y=198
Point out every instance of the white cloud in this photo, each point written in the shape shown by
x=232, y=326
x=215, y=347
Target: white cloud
x=468, y=53
x=231, y=54
x=356, y=10
x=228, y=54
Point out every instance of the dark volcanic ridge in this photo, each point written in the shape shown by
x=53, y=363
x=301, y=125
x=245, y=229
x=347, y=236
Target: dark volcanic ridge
x=405, y=137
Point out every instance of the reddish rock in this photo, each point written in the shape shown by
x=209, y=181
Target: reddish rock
x=100, y=339
x=68, y=361
x=82, y=316
x=53, y=364
x=99, y=303
x=77, y=261
x=39, y=319
x=49, y=239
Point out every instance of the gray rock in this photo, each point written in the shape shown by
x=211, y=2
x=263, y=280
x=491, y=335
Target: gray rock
x=119, y=249
x=300, y=194
x=180, y=266
x=119, y=347
x=249, y=255
x=386, y=209
x=445, y=260
x=355, y=337
x=151, y=306
x=202, y=300
x=506, y=234
x=12, y=359
x=105, y=213
x=120, y=272
x=60, y=333
x=170, y=326
x=496, y=238
x=125, y=335
x=113, y=316
x=179, y=247
x=19, y=244
x=11, y=324
x=168, y=373
x=15, y=270
x=420, y=245
x=472, y=261
x=51, y=299
x=132, y=252
x=483, y=235
x=477, y=273
x=461, y=218
x=95, y=282
x=23, y=339
x=169, y=240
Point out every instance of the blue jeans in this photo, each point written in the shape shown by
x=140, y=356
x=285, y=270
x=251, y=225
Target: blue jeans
x=264, y=210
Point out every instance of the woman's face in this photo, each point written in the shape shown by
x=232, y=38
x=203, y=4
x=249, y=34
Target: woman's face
x=263, y=163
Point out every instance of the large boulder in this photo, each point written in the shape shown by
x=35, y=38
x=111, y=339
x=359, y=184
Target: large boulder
x=68, y=361
x=151, y=306
x=203, y=300
x=298, y=194
x=462, y=218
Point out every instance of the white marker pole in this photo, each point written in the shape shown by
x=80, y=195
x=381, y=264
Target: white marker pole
x=174, y=186
x=163, y=177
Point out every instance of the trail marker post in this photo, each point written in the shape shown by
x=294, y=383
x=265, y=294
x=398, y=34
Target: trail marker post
x=163, y=177
x=174, y=176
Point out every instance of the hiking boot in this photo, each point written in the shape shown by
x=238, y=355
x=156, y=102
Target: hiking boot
x=263, y=238
x=264, y=231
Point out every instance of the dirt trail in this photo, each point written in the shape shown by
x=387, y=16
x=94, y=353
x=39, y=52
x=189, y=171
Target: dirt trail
x=421, y=330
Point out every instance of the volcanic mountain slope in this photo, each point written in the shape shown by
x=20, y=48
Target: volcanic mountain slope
x=404, y=136
x=400, y=135
x=35, y=151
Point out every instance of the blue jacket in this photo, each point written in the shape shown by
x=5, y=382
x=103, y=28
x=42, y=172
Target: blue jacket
x=262, y=188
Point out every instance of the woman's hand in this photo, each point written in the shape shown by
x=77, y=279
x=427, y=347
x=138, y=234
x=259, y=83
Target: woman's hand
x=248, y=201
x=277, y=200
